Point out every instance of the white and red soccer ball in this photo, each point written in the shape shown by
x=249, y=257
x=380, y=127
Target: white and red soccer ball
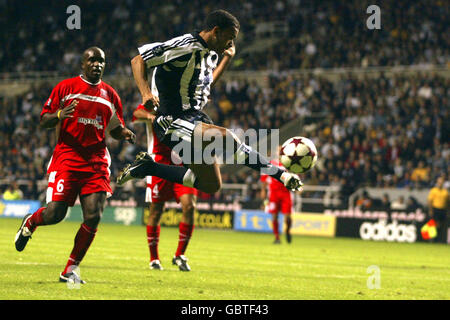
x=298, y=154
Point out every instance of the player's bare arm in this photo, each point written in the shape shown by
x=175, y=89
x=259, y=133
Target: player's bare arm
x=144, y=115
x=120, y=133
x=50, y=120
x=226, y=59
x=140, y=77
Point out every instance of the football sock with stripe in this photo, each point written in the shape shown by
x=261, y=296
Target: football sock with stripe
x=35, y=220
x=82, y=242
x=153, y=240
x=185, y=233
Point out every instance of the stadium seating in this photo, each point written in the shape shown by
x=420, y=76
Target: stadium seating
x=387, y=131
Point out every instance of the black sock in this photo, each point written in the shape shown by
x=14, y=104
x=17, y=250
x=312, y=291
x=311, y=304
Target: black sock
x=257, y=161
x=164, y=171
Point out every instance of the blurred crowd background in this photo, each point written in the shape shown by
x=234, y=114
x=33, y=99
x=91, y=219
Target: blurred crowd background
x=383, y=131
x=308, y=33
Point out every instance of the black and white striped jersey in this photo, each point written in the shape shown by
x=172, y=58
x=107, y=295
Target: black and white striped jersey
x=183, y=73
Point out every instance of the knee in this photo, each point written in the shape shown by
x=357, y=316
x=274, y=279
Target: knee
x=92, y=218
x=58, y=216
x=55, y=214
x=188, y=209
x=154, y=217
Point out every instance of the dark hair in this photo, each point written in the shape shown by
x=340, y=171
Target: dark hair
x=222, y=19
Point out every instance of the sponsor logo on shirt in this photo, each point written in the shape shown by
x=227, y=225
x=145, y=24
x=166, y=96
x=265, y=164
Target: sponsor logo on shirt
x=95, y=122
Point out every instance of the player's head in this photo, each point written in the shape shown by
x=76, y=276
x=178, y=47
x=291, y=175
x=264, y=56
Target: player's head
x=222, y=28
x=93, y=64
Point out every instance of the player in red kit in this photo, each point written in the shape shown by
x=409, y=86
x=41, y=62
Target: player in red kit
x=159, y=191
x=277, y=199
x=82, y=109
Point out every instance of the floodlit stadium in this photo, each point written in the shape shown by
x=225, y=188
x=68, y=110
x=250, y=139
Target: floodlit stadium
x=90, y=94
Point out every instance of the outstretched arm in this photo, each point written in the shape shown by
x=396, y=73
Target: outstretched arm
x=120, y=133
x=226, y=59
x=143, y=115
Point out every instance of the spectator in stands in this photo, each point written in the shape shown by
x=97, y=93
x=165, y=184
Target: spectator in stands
x=364, y=201
x=412, y=204
x=420, y=174
x=313, y=35
x=13, y=192
x=399, y=204
x=385, y=202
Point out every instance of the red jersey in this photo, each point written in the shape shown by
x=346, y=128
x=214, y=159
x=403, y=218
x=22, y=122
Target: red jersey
x=275, y=186
x=81, y=143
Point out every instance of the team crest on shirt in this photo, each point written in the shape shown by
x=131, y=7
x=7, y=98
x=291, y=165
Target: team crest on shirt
x=158, y=50
x=103, y=93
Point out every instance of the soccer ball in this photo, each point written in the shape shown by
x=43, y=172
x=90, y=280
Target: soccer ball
x=298, y=154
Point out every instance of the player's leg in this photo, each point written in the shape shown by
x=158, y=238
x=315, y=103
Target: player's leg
x=210, y=174
x=286, y=210
x=275, y=228
x=273, y=207
x=94, y=188
x=62, y=191
x=92, y=206
x=210, y=179
x=52, y=214
x=186, y=228
x=232, y=146
x=153, y=231
x=288, y=219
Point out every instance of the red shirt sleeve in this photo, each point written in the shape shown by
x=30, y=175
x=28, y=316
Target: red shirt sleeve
x=139, y=107
x=53, y=102
x=119, y=108
x=117, y=118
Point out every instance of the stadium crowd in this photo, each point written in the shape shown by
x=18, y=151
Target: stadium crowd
x=378, y=131
x=313, y=34
x=370, y=131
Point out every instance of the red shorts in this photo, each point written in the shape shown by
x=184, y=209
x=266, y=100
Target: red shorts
x=281, y=202
x=161, y=190
x=67, y=185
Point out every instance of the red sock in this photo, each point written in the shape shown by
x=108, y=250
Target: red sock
x=275, y=229
x=185, y=233
x=35, y=220
x=153, y=240
x=83, y=240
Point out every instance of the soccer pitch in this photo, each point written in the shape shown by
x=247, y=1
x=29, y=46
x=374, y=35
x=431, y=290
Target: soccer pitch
x=226, y=265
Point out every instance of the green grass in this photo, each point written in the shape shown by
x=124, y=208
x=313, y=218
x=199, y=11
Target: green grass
x=225, y=265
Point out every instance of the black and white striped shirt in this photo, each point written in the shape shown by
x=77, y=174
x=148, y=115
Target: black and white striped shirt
x=183, y=73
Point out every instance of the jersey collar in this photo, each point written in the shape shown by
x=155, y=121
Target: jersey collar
x=92, y=84
x=200, y=39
